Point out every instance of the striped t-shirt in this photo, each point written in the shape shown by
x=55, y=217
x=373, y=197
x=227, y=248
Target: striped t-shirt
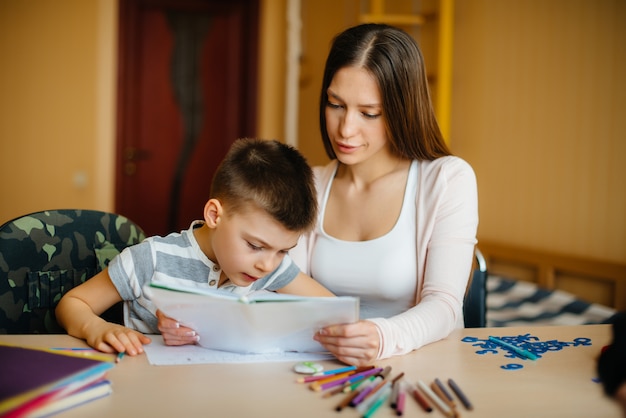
x=176, y=258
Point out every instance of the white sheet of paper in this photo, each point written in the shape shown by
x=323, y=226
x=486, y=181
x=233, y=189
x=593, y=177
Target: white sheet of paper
x=160, y=354
x=280, y=323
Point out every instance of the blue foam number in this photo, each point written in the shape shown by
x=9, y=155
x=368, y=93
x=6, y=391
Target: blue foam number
x=511, y=366
x=526, y=342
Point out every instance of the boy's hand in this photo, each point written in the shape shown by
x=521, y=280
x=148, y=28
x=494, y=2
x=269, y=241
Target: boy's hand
x=174, y=333
x=114, y=338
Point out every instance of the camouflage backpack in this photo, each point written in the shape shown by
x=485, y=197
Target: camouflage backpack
x=45, y=254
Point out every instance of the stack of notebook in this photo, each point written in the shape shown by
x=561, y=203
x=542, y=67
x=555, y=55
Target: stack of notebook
x=38, y=383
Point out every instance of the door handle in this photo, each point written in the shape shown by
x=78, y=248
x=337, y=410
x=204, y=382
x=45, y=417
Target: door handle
x=131, y=156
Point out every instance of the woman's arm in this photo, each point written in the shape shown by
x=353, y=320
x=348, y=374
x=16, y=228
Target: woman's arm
x=78, y=312
x=446, y=227
x=447, y=219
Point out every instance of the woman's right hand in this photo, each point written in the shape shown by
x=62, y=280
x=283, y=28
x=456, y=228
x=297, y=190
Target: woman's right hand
x=356, y=344
x=173, y=333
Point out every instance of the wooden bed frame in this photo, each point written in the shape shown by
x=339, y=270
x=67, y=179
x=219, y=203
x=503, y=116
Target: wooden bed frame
x=591, y=280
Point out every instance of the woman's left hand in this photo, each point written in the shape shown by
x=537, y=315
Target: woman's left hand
x=355, y=344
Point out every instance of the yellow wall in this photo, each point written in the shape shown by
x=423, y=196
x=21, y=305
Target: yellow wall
x=56, y=107
x=537, y=109
x=539, y=98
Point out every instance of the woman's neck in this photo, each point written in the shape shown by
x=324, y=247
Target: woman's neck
x=370, y=171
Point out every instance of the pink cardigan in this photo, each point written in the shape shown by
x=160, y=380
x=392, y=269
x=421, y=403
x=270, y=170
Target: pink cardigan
x=446, y=225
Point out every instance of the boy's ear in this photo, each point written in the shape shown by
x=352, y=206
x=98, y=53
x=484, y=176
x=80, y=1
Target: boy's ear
x=213, y=211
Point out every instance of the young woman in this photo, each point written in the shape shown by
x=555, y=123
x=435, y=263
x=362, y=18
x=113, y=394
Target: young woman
x=398, y=214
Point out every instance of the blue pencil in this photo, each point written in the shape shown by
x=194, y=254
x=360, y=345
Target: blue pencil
x=336, y=371
x=520, y=351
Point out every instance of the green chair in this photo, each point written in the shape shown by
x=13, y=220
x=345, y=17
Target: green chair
x=45, y=254
x=475, y=303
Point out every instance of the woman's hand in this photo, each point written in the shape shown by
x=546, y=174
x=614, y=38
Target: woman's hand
x=174, y=333
x=355, y=344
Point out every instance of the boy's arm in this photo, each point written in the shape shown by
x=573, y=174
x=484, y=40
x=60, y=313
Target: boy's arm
x=78, y=312
x=304, y=285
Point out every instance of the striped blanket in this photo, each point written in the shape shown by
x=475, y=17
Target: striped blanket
x=514, y=303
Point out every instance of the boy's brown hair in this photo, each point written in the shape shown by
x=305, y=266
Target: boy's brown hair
x=271, y=175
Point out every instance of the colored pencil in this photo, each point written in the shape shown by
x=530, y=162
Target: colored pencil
x=339, y=370
x=421, y=400
x=336, y=391
x=365, y=391
x=444, y=390
x=340, y=381
x=119, y=357
x=84, y=352
x=457, y=390
x=400, y=402
x=398, y=377
x=441, y=405
x=443, y=397
x=359, y=384
x=517, y=350
x=371, y=397
x=395, y=384
x=75, y=349
x=378, y=402
x=346, y=401
x=393, y=398
x=319, y=376
x=385, y=372
x=356, y=378
x=344, y=387
x=330, y=381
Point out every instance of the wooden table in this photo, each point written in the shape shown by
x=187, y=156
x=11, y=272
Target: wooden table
x=559, y=384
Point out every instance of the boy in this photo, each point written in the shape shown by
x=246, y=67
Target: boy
x=262, y=199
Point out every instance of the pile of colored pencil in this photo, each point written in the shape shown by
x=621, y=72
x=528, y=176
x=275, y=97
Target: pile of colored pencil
x=366, y=389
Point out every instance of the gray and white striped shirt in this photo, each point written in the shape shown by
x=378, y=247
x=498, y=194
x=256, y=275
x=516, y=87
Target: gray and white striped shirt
x=176, y=258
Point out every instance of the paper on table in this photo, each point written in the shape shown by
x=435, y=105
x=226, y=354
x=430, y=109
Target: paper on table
x=266, y=323
x=160, y=354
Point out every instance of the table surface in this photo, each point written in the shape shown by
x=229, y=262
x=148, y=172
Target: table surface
x=560, y=383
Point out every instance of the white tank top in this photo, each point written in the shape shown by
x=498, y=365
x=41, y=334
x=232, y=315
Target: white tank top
x=382, y=272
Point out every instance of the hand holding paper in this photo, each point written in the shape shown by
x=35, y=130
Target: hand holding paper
x=261, y=322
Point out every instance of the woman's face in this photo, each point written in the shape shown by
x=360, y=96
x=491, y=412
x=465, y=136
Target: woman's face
x=354, y=116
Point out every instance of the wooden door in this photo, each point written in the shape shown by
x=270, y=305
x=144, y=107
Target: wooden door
x=187, y=90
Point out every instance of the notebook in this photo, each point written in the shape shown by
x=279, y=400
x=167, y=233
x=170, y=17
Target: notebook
x=29, y=373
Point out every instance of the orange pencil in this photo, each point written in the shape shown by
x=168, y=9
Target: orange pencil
x=444, y=398
x=317, y=385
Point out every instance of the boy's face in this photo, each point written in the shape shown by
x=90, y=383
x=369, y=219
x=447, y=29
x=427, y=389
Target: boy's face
x=249, y=244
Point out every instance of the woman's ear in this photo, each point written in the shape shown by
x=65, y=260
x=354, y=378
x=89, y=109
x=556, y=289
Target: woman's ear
x=213, y=211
